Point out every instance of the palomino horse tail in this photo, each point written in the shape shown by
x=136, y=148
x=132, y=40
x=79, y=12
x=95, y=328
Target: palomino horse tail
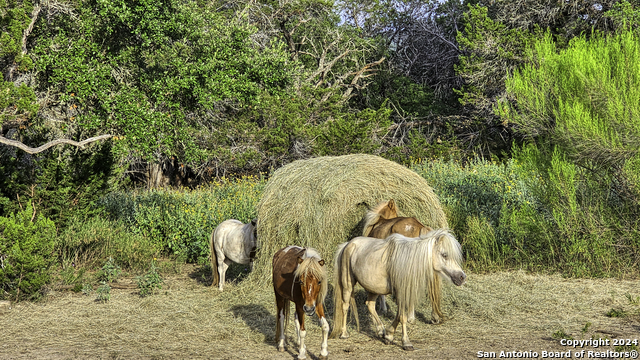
x=338, y=315
x=435, y=295
x=214, y=259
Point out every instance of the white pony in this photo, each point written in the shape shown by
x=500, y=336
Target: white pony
x=232, y=241
x=397, y=265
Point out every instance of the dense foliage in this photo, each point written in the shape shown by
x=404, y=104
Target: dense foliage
x=26, y=253
x=527, y=111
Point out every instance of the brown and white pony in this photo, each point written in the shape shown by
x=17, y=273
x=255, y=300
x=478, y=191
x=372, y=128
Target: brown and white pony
x=404, y=267
x=382, y=221
x=232, y=241
x=299, y=275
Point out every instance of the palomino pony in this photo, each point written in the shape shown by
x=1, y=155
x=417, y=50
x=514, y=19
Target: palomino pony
x=299, y=275
x=396, y=265
x=382, y=221
x=232, y=241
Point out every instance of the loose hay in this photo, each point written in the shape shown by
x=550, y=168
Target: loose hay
x=320, y=202
x=492, y=312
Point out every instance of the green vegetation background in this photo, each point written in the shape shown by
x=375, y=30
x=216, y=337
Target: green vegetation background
x=534, y=151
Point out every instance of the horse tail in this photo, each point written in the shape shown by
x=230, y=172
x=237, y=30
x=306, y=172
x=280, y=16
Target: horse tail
x=338, y=315
x=287, y=310
x=435, y=296
x=370, y=219
x=214, y=259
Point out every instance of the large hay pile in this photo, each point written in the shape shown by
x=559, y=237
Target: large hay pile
x=320, y=203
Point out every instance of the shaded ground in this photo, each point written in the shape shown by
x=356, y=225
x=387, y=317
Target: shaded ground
x=188, y=319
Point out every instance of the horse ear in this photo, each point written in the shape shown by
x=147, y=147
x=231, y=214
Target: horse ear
x=254, y=222
x=321, y=262
x=391, y=204
x=299, y=260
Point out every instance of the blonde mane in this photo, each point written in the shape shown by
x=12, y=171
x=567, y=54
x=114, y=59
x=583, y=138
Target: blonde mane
x=310, y=266
x=410, y=266
x=372, y=217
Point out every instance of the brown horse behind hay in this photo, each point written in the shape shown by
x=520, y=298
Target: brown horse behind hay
x=382, y=221
x=299, y=275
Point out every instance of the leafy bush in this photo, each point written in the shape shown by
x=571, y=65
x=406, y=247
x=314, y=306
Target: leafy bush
x=26, y=253
x=103, y=292
x=581, y=222
x=480, y=188
x=110, y=272
x=64, y=182
x=537, y=211
x=149, y=282
x=181, y=221
x=92, y=242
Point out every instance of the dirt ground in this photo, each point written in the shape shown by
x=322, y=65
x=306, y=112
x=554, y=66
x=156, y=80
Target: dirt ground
x=187, y=319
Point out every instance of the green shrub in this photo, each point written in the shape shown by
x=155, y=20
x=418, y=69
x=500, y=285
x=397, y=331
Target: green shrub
x=149, y=282
x=536, y=211
x=181, y=221
x=91, y=242
x=580, y=222
x=103, y=292
x=26, y=253
x=110, y=272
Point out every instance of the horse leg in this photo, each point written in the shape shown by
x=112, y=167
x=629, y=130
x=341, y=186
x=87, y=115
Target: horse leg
x=383, y=304
x=324, y=353
x=391, y=329
x=281, y=321
x=346, y=300
x=400, y=318
x=406, y=344
x=223, y=265
x=302, y=333
x=371, y=305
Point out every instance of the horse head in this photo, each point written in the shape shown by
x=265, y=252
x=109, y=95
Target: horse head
x=253, y=243
x=447, y=259
x=310, y=276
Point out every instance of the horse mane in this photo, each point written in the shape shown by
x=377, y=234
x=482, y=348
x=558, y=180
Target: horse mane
x=310, y=266
x=410, y=266
x=372, y=217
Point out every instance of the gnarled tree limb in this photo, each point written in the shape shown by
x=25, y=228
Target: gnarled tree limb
x=44, y=147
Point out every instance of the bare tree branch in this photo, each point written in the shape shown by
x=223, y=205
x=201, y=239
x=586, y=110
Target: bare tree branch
x=360, y=74
x=44, y=147
x=25, y=35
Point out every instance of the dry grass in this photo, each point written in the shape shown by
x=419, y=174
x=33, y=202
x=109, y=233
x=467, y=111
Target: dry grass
x=188, y=319
x=321, y=202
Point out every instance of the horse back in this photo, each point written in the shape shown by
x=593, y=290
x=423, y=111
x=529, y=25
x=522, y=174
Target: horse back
x=284, y=264
x=407, y=226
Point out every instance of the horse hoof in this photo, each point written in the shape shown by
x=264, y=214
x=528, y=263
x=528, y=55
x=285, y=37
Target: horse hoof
x=387, y=341
x=344, y=336
x=408, y=347
x=281, y=349
x=325, y=357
